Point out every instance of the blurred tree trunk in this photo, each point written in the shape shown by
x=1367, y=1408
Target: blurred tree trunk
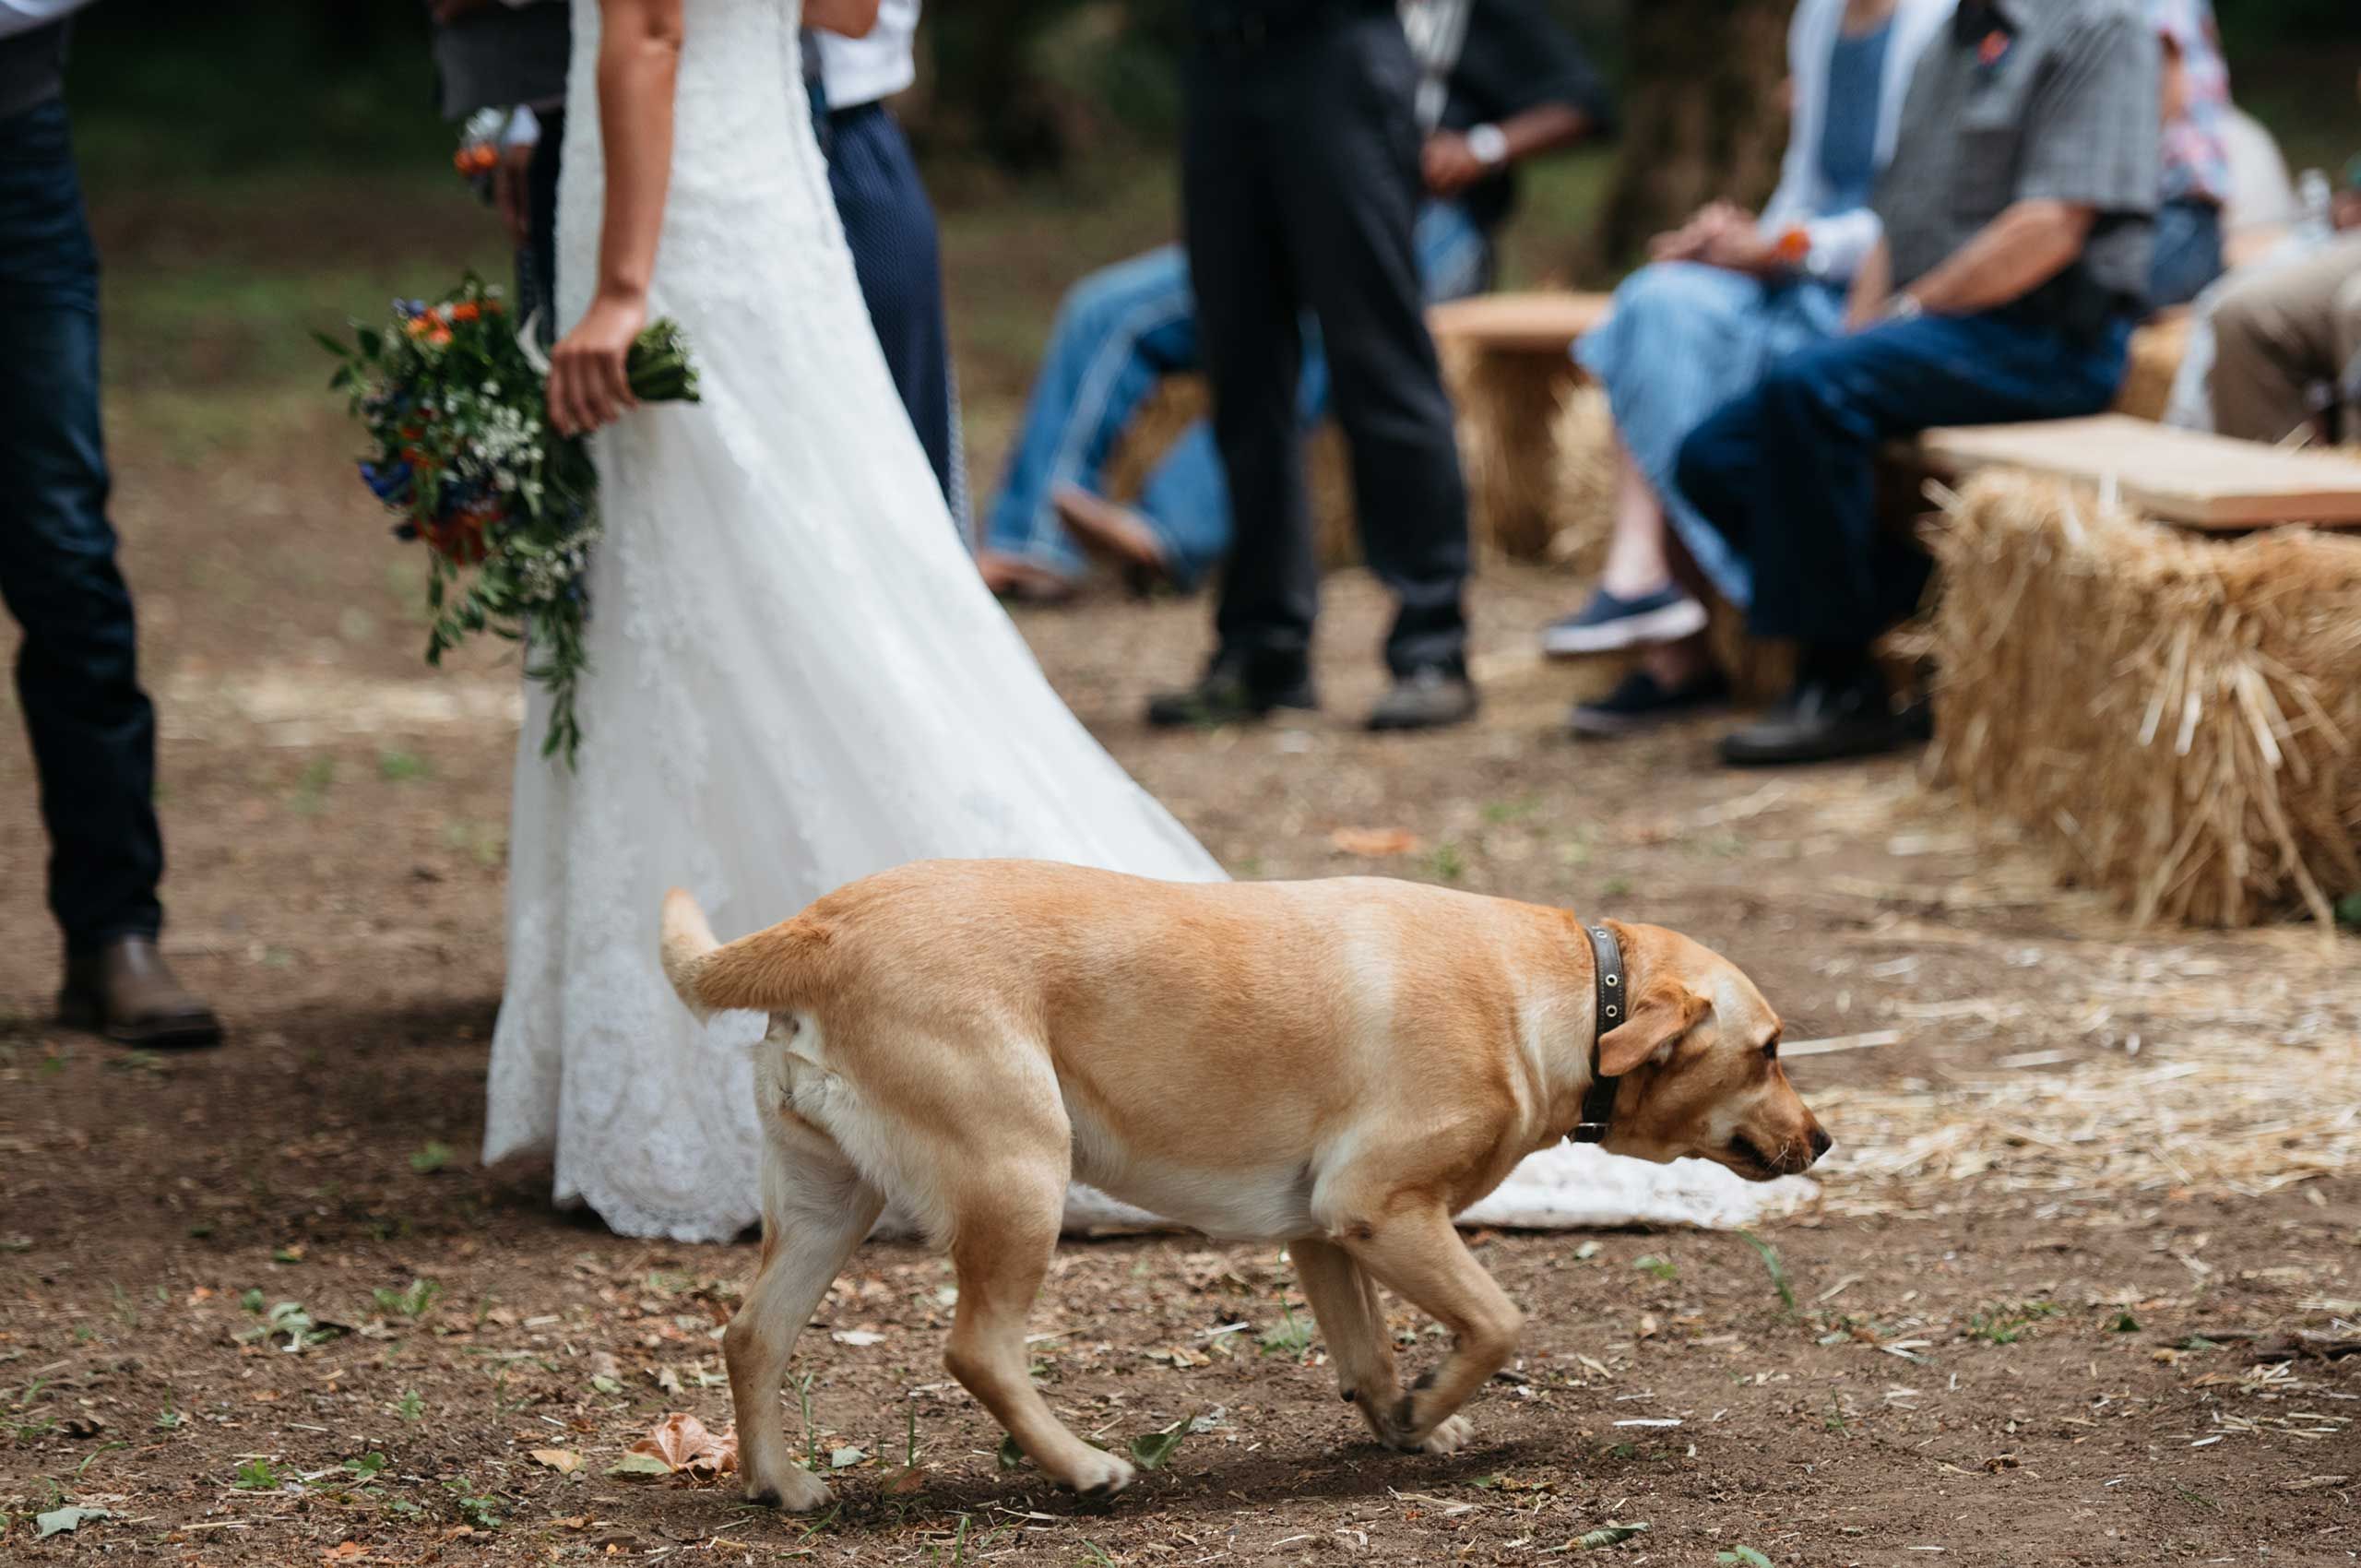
x=1703, y=115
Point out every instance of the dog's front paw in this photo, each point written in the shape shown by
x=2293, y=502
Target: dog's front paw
x=1405, y=1428
x=790, y=1486
x=1453, y=1435
x=1098, y=1475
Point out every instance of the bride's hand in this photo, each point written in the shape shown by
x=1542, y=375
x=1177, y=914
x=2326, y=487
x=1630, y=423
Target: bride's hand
x=589, y=384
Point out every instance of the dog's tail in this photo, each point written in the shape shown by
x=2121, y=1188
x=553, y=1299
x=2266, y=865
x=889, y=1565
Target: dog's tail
x=770, y=971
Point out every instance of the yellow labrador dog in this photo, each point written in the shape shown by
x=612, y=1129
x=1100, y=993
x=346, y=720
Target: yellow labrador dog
x=1339, y=1066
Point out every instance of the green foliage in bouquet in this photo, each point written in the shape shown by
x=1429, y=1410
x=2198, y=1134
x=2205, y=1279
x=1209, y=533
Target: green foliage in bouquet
x=455, y=408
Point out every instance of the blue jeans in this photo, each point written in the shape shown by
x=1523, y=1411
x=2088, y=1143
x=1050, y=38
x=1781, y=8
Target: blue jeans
x=93, y=733
x=1684, y=339
x=1786, y=473
x=1117, y=332
x=2187, y=252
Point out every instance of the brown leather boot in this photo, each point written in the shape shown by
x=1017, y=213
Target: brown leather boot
x=126, y=993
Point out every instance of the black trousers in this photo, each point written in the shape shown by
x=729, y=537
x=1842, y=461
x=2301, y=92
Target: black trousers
x=93, y=733
x=1301, y=187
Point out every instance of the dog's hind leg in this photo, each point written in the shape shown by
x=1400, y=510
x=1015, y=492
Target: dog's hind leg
x=1418, y=1255
x=815, y=1210
x=1002, y=1240
x=1345, y=1301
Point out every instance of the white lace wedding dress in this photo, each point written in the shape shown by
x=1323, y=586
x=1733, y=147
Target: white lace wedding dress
x=797, y=678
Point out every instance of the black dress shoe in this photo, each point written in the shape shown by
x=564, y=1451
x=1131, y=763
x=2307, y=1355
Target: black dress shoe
x=1425, y=698
x=126, y=991
x=1231, y=691
x=1640, y=702
x=1819, y=721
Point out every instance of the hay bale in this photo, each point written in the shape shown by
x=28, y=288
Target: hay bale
x=2156, y=351
x=2178, y=717
x=1581, y=504
x=1180, y=401
x=1508, y=406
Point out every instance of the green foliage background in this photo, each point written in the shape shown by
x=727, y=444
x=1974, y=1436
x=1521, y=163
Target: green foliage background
x=165, y=90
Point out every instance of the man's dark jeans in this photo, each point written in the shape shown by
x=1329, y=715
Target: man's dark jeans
x=93, y=733
x=1786, y=473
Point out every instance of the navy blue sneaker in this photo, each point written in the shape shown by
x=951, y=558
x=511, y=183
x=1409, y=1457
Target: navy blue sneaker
x=1640, y=702
x=1610, y=623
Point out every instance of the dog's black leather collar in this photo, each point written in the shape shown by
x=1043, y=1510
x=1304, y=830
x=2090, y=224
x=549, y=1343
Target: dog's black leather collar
x=1599, y=1100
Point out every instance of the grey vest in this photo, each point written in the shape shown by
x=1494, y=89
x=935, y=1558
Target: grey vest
x=500, y=56
x=32, y=69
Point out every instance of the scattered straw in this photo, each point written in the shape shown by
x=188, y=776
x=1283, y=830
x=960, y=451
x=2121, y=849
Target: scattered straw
x=2186, y=1074
x=2178, y=717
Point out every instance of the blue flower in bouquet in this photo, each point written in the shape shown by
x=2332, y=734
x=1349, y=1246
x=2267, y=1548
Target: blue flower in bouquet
x=461, y=452
x=389, y=483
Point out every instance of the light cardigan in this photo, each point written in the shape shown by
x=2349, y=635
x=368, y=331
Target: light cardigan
x=1841, y=241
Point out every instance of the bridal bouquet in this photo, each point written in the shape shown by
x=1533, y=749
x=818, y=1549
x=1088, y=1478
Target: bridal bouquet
x=461, y=450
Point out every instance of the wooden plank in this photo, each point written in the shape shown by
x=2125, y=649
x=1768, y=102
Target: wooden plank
x=2184, y=477
x=1538, y=323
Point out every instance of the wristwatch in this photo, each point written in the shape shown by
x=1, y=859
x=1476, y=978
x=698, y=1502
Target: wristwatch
x=1490, y=143
x=1903, y=306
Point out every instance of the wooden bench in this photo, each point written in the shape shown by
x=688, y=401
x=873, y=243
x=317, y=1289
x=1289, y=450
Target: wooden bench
x=1541, y=323
x=2186, y=478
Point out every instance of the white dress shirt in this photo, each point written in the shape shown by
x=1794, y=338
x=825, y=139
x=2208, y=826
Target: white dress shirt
x=854, y=71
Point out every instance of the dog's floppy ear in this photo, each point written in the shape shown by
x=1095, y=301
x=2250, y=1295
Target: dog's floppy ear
x=1665, y=1011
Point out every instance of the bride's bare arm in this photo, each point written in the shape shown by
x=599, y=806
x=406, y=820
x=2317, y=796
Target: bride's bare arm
x=639, y=59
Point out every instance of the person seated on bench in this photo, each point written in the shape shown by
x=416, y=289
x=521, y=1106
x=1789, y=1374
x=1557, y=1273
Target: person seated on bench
x=2017, y=214
x=1498, y=83
x=1727, y=293
x=2281, y=336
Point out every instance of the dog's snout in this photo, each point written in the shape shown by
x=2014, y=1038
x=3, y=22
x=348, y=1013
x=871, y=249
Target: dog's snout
x=1820, y=1141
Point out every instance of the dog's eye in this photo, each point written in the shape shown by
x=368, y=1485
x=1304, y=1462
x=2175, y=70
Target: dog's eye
x=1770, y=1048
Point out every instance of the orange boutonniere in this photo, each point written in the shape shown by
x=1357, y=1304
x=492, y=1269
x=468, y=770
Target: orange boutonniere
x=1995, y=44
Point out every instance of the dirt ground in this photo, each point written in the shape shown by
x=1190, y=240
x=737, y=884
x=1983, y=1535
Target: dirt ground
x=2094, y=1186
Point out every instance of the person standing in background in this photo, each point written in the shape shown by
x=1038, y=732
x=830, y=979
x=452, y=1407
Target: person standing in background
x=865, y=50
x=93, y=729
x=2196, y=156
x=1300, y=183
x=1498, y=83
x=512, y=54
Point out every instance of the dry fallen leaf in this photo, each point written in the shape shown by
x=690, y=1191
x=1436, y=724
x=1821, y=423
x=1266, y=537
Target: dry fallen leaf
x=858, y=1337
x=564, y=1461
x=343, y=1551
x=683, y=1443
x=1375, y=843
